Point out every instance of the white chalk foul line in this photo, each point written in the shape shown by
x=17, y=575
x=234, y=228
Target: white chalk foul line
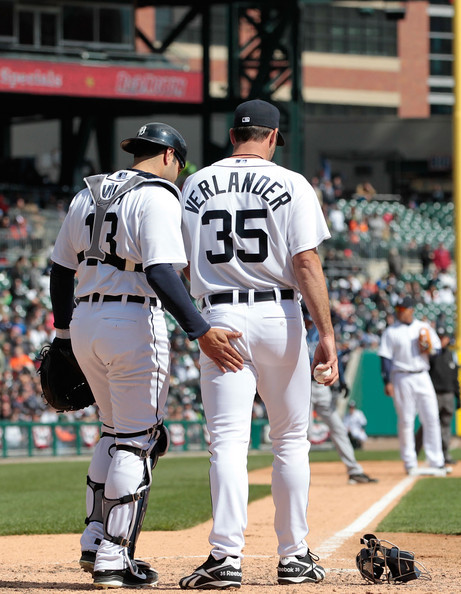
x=330, y=545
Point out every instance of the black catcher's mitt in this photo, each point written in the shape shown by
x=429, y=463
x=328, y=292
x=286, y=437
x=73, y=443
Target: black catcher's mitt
x=63, y=383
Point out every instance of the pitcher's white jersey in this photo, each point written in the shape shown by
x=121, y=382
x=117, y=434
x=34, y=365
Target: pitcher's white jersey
x=243, y=221
x=399, y=343
x=142, y=227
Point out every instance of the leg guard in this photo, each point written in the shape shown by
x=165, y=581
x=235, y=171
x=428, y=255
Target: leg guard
x=97, y=474
x=156, y=447
x=95, y=514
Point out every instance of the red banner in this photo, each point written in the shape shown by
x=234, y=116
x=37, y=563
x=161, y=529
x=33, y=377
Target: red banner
x=114, y=82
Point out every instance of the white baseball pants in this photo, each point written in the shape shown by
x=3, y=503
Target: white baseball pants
x=276, y=364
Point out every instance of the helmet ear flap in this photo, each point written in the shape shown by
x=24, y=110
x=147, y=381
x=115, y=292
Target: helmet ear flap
x=402, y=565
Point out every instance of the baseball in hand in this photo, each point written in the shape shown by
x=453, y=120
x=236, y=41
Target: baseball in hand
x=321, y=375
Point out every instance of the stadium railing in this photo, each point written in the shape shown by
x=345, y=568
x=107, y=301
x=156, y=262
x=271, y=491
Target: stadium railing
x=78, y=438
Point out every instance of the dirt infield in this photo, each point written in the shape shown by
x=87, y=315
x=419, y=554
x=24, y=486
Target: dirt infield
x=337, y=518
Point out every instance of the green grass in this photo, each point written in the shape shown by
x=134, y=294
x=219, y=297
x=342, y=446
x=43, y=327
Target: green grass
x=433, y=506
x=43, y=497
x=49, y=497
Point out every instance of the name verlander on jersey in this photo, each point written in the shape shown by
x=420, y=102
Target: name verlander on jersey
x=261, y=185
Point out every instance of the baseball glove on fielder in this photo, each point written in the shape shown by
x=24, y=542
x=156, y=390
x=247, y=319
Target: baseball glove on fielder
x=63, y=383
x=424, y=341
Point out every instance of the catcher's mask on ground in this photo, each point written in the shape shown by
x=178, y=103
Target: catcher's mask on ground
x=381, y=563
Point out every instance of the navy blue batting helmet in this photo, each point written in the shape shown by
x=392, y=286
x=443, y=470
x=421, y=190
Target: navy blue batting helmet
x=156, y=133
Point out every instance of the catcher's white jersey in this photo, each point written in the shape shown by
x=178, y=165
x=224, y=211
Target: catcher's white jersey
x=243, y=221
x=399, y=343
x=141, y=226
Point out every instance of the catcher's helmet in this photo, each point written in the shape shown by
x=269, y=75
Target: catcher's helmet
x=379, y=563
x=157, y=133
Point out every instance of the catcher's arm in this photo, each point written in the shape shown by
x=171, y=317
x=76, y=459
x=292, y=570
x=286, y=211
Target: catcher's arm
x=62, y=298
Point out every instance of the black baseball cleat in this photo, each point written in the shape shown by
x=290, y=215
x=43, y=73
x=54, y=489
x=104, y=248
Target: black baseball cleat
x=298, y=570
x=87, y=561
x=355, y=479
x=88, y=558
x=146, y=577
x=214, y=575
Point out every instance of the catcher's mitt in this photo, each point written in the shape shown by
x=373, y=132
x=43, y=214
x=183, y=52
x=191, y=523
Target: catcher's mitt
x=63, y=383
x=424, y=340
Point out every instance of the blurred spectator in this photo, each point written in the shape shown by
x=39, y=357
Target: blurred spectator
x=438, y=195
x=441, y=258
x=338, y=186
x=328, y=195
x=369, y=288
x=355, y=423
x=364, y=191
x=315, y=183
x=395, y=262
x=20, y=360
x=425, y=257
x=337, y=219
x=358, y=226
x=377, y=226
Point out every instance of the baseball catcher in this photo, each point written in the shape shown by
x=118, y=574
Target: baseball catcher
x=63, y=383
x=379, y=563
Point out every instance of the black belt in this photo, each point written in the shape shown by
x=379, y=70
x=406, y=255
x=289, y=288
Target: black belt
x=257, y=297
x=406, y=371
x=97, y=297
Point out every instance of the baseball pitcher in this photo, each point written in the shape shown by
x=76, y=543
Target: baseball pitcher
x=251, y=230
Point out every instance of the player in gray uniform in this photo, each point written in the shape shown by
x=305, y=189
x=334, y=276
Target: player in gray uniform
x=251, y=231
x=122, y=239
x=405, y=371
x=324, y=403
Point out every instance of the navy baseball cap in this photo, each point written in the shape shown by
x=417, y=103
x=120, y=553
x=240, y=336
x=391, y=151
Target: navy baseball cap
x=258, y=113
x=406, y=303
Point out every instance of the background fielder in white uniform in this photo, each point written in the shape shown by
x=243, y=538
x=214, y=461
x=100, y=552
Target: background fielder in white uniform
x=251, y=229
x=122, y=236
x=406, y=377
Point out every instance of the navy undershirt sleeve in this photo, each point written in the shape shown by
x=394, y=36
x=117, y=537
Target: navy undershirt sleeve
x=62, y=294
x=172, y=293
x=386, y=365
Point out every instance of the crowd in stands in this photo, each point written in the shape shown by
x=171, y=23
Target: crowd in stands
x=362, y=302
